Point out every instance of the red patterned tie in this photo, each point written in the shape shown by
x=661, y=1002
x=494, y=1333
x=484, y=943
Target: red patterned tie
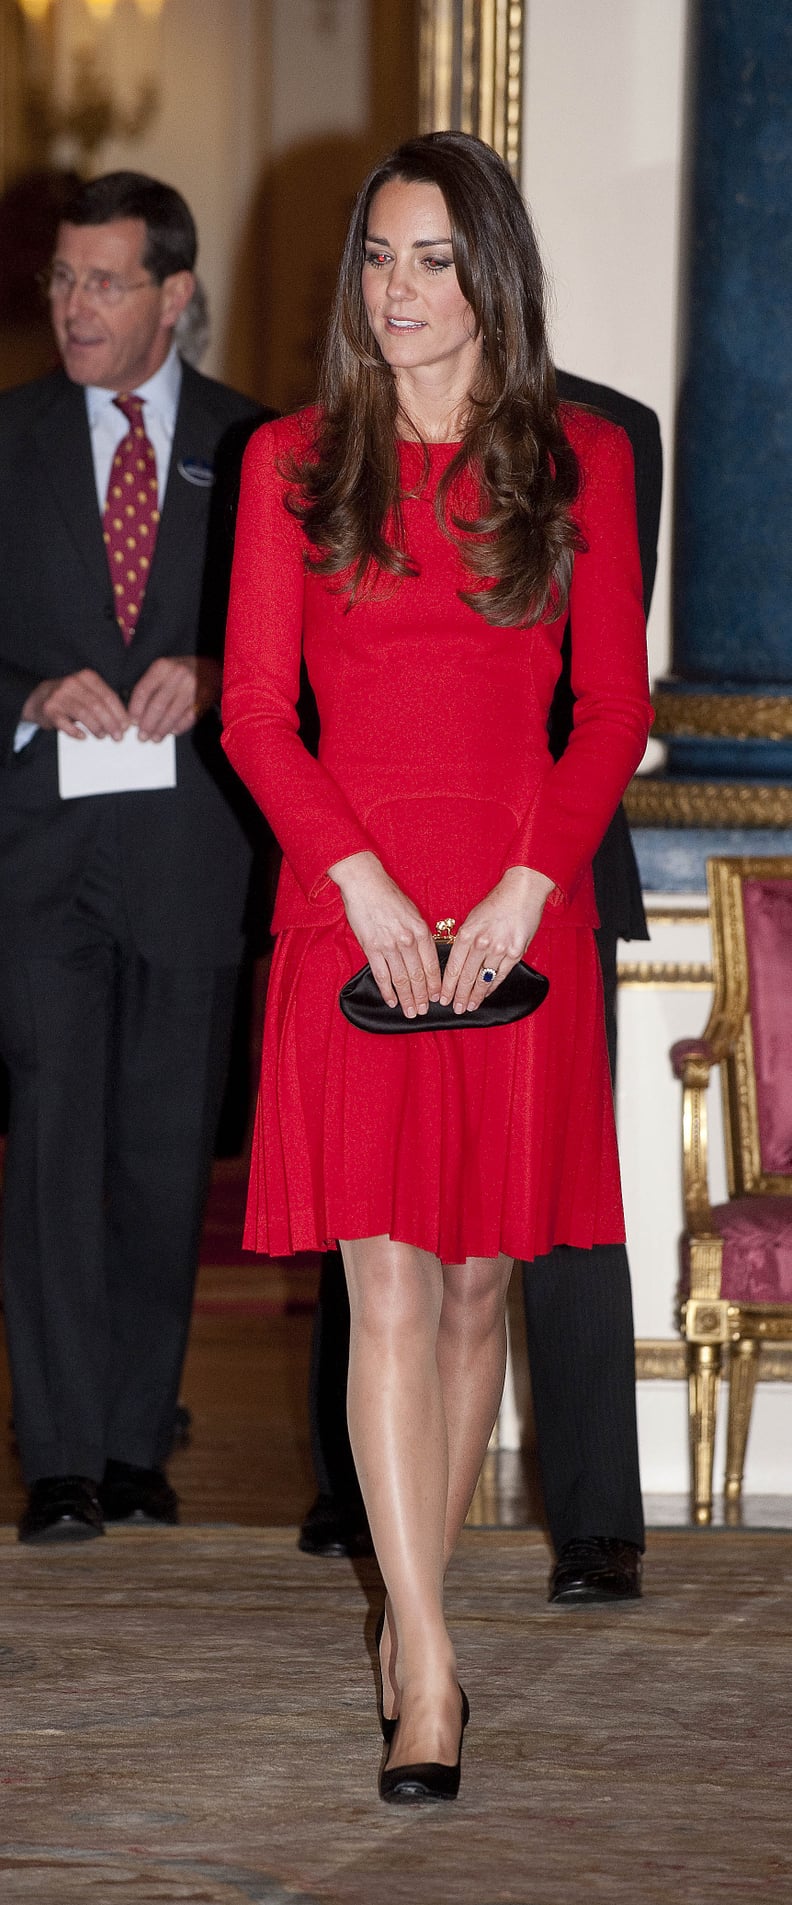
x=131, y=516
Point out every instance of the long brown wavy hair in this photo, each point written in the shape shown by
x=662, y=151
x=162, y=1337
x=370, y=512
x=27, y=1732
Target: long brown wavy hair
x=346, y=489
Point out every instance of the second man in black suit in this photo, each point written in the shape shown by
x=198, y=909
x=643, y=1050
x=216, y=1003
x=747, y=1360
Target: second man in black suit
x=578, y=1303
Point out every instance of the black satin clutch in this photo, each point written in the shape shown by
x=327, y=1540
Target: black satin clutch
x=516, y=997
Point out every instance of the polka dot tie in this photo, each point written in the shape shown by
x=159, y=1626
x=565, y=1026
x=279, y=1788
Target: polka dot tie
x=131, y=516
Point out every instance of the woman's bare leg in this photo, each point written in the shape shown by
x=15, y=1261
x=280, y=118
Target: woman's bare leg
x=409, y=1349
x=398, y=1434
x=471, y=1359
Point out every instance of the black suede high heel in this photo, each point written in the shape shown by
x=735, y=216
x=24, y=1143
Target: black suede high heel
x=388, y=1726
x=427, y=1779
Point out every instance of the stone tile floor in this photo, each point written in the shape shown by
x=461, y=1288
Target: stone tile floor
x=189, y=1715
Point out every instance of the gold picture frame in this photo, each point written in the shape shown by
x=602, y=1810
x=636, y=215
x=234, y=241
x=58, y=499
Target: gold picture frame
x=471, y=60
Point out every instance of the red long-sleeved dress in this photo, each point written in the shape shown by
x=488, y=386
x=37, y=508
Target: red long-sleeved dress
x=434, y=755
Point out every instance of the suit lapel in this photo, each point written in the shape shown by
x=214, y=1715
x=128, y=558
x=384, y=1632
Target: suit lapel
x=63, y=443
x=185, y=506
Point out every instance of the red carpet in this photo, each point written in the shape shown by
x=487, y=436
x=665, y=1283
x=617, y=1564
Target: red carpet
x=231, y=1278
x=221, y=1238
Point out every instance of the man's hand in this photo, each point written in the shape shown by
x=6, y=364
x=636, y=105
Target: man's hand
x=75, y=703
x=173, y=694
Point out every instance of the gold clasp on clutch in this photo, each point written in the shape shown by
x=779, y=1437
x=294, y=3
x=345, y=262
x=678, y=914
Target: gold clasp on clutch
x=444, y=931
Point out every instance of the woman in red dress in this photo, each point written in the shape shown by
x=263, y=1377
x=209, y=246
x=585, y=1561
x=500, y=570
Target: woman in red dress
x=416, y=540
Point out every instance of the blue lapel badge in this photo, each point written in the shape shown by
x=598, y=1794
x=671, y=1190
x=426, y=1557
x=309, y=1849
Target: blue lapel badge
x=195, y=470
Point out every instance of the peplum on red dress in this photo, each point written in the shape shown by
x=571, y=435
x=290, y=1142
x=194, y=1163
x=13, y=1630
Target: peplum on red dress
x=434, y=755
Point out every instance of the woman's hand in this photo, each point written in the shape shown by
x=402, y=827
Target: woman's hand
x=494, y=937
x=395, y=939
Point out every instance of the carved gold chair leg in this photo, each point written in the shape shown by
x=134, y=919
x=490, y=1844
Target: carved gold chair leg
x=703, y=1383
x=743, y=1369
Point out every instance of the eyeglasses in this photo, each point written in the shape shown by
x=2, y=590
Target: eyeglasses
x=102, y=287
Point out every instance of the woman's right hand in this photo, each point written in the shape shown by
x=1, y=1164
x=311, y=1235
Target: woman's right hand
x=395, y=939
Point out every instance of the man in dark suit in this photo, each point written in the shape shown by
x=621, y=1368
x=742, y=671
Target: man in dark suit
x=122, y=910
x=578, y=1303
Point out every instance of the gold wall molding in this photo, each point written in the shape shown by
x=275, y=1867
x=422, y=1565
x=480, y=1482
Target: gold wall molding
x=667, y=1361
x=677, y=803
x=665, y=916
x=733, y=717
x=471, y=71
x=660, y=1361
x=692, y=973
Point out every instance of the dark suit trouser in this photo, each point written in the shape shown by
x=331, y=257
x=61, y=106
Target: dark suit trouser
x=581, y=1350
x=117, y=1069
x=581, y=1355
x=333, y=1461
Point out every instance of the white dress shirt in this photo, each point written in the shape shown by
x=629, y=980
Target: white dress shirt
x=109, y=426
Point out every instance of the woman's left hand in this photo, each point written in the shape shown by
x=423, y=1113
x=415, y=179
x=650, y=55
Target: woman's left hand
x=494, y=937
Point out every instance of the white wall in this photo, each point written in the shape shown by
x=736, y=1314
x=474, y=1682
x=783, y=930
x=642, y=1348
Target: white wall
x=601, y=169
x=326, y=89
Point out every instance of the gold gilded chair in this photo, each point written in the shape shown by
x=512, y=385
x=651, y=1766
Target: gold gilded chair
x=737, y=1257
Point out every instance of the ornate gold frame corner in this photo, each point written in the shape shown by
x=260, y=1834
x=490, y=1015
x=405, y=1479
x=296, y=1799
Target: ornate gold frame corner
x=471, y=61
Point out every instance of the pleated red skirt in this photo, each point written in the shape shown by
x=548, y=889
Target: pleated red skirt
x=464, y=1143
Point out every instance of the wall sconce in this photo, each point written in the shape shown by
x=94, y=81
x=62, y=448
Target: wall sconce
x=70, y=130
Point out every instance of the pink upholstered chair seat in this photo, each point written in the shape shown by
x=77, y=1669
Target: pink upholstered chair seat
x=757, y=1249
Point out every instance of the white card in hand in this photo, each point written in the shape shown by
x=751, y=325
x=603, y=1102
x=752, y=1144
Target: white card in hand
x=114, y=767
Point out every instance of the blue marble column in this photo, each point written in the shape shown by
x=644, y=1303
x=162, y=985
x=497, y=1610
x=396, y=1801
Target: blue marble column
x=733, y=606
x=726, y=710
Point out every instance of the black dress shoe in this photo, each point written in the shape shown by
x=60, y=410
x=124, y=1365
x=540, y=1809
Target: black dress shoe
x=426, y=1780
x=334, y=1528
x=596, y=1569
x=129, y=1493
x=62, y=1508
